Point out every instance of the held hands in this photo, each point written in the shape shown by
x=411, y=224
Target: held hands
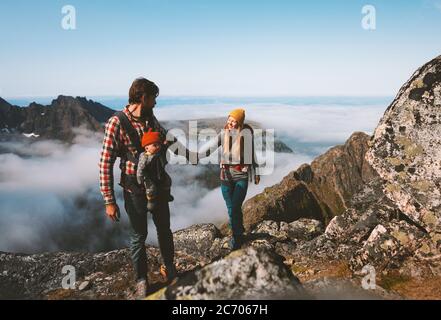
x=112, y=211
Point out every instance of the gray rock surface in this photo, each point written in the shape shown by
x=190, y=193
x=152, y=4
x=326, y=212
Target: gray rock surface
x=406, y=148
x=303, y=229
x=197, y=239
x=244, y=274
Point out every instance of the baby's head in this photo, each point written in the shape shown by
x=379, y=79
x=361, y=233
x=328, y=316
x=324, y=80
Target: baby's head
x=151, y=141
x=152, y=148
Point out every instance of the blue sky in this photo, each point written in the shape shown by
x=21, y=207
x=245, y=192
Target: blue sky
x=225, y=48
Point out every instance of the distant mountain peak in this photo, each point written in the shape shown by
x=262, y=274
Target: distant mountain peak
x=3, y=102
x=68, y=100
x=55, y=121
x=34, y=104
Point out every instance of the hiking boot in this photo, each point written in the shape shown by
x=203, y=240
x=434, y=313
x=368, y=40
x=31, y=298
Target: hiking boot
x=234, y=245
x=168, y=274
x=236, y=242
x=141, y=289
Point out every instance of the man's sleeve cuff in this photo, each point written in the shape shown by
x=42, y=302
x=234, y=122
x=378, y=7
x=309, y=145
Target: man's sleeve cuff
x=109, y=201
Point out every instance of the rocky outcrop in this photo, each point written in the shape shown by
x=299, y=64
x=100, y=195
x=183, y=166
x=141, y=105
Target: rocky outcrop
x=200, y=254
x=406, y=148
x=287, y=201
x=319, y=191
x=37, y=276
x=245, y=274
x=373, y=231
x=105, y=275
x=340, y=173
x=270, y=265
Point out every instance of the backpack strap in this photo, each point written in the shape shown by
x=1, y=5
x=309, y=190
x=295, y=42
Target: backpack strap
x=252, y=172
x=133, y=135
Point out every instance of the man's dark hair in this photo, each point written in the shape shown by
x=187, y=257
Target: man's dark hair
x=140, y=87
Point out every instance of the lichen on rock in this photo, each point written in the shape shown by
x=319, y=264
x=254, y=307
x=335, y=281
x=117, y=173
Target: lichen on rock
x=406, y=147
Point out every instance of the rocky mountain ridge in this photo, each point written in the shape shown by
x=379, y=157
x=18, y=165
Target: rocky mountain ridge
x=55, y=121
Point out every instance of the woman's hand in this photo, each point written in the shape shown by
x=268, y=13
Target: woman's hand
x=257, y=180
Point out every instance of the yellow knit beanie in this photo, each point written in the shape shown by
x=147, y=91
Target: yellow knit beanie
x=238, y=115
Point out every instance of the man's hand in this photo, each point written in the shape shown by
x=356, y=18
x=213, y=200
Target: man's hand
x=112, y=211
x=257, y=180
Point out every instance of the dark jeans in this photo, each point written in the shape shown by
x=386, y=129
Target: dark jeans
x=136, y=207
x=234, y=194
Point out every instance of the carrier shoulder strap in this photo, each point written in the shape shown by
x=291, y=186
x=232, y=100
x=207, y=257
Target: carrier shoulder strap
x=132, y=133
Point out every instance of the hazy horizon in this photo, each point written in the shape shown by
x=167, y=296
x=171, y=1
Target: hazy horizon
x=117, y=102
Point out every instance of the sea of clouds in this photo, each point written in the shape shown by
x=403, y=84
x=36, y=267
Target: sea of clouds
x=49, y=191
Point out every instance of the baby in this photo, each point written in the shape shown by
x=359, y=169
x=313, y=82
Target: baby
x=151, y=170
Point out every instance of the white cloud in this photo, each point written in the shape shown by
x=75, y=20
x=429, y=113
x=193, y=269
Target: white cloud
x=304, y=123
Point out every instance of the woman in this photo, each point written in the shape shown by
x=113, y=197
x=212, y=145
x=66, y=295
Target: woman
x=238, y=166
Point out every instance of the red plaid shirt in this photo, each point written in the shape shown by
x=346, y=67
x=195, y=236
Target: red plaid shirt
x=114, y=138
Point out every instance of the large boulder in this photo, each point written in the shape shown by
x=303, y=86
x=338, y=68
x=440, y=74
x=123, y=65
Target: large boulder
x=196, y=240
x=406, y=148
x=341, y=172
x=244, y=274
x=287, y=201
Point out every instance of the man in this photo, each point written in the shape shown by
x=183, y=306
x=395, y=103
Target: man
x=122, y=136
